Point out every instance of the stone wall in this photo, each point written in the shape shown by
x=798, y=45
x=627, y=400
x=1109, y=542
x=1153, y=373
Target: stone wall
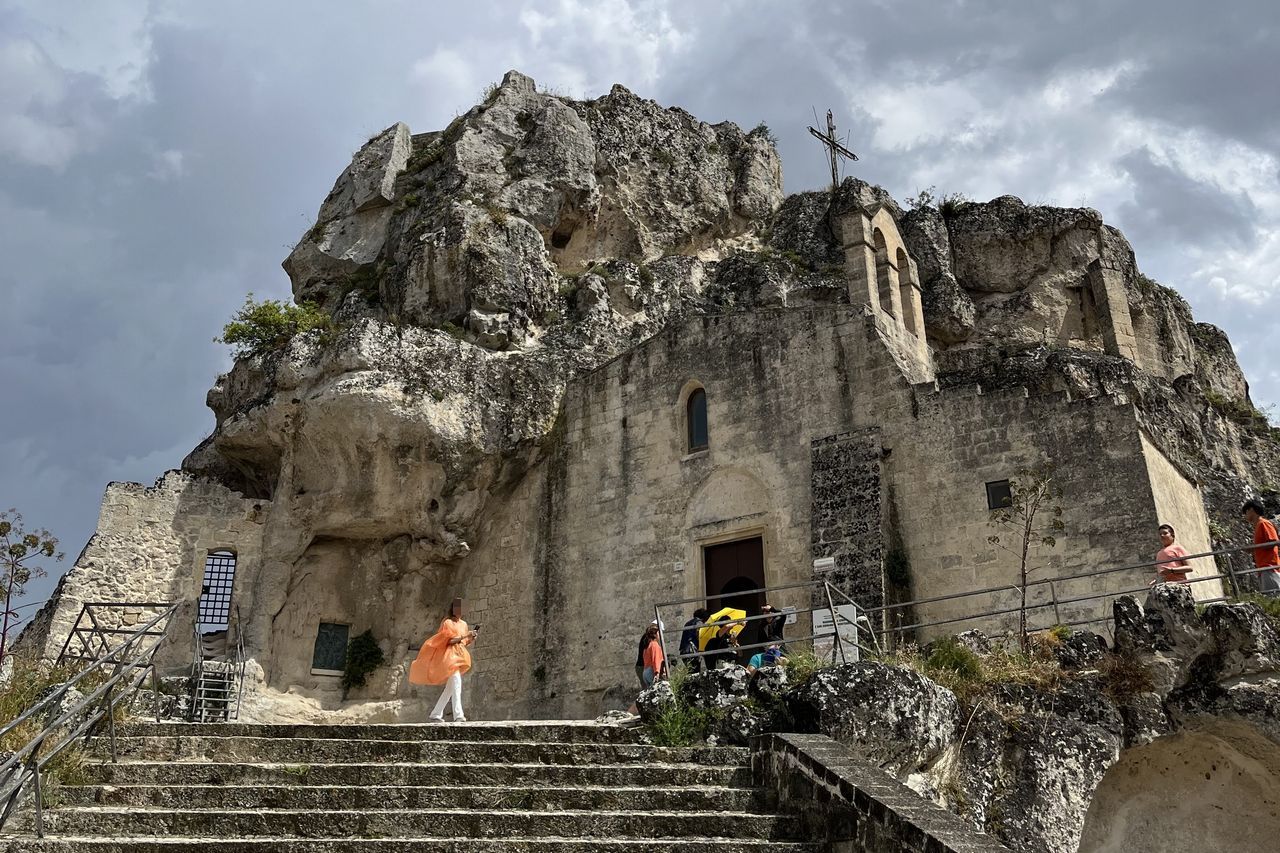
x=848, y=505
x=151, y=546
x=1178, y=502
x=939, y=463
x=632, y=509
x=852, y=806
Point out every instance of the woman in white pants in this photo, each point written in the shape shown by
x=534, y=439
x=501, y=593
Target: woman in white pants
x=443, y=659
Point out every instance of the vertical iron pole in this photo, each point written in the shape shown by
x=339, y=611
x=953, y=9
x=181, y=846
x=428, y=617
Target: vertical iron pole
x=39, y=800
x=831, y=608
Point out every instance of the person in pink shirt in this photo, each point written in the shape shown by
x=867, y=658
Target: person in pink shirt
x=1171, y=558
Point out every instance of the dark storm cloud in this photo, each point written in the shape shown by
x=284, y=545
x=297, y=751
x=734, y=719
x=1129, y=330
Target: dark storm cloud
x=156, y=161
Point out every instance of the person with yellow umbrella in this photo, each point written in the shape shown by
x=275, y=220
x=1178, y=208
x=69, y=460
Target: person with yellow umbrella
x=720, y=636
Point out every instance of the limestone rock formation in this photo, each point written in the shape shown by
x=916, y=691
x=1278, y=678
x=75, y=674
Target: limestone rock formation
x=896, y=717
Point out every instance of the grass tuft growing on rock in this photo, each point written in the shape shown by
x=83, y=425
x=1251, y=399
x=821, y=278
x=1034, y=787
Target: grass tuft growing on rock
x=1123, y=677
x=969, y=675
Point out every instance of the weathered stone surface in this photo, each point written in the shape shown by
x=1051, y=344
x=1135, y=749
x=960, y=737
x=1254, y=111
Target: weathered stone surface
x=351, y=227
x=895, y=717
x=1081, y=650
x=715, y=688
x=768, y=683
x=652, y=700
x=1165, y=636
x=740, y=724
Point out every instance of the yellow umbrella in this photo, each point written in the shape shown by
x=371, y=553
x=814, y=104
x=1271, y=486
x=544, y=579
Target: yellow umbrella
x=709, y=630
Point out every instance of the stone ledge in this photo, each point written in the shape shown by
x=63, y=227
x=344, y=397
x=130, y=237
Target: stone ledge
x=852, y=805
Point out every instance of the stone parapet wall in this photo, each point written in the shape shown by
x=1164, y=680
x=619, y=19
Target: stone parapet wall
x=852, y=806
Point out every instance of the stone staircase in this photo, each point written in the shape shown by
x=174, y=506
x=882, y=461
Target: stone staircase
x=459, y=787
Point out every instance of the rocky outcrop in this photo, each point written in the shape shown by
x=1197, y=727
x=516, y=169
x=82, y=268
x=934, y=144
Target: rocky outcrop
x=1023, y=761
x=1022, y=755
x=895, y=717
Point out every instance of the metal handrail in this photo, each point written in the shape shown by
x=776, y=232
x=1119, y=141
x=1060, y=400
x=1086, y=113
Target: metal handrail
x=129, y=666
x=1061, y=578
x=1055, y=602
x=837, y=618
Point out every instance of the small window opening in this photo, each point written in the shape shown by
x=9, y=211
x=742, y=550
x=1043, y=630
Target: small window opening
x=330, y=653
x=999, y=495
x=697, y=420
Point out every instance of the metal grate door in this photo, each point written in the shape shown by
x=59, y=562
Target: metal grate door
x=215, y=594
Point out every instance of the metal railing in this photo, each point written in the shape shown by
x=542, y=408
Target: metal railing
x=1056, y=601
x=847, y=623
x=123, y=669
x=232, y=666
x=98, y=627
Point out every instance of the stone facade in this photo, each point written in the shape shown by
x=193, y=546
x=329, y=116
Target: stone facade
x=525, y=303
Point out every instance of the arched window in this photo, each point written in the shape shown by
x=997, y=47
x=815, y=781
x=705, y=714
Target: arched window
x=884, y=284
x=696, y=419
x=907, y=294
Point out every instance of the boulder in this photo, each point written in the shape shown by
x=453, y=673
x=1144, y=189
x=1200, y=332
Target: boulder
x=1166, y=636
x=740, y=723
x=351, y=228
x=895, y=717
x=1245, y=641
x=768, y=684
x=653, y=699
x=715, y=688
x=1080, y=650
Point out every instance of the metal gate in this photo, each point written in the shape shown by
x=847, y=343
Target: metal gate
x=215, y=593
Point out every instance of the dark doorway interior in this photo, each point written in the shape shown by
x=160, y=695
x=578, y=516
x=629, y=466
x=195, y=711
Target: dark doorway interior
x=730, y=569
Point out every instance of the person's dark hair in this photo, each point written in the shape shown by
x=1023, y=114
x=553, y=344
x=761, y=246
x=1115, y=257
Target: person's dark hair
x=1254, y=505
x=701, y=614
x=1168, y=527
x=651, y=633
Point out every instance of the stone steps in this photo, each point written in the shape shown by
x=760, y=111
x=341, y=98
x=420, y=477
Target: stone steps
x=497, y=774
x=404, y=845
x=424, y=823
x=471, y=788
x=340, y=797
x=549, y=732
x=306, y=750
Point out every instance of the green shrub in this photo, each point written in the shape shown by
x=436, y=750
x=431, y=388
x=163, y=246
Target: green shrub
x=363, y=657
x=951, y=656
x=681, y=725
x=762, y=130
x=269, y=325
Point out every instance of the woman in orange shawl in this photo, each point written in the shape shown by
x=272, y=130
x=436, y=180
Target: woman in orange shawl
x=443, y=659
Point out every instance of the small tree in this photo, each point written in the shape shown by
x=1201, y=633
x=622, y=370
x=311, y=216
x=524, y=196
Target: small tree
x=1032, y=499
x=261, y=327
x=20, y=553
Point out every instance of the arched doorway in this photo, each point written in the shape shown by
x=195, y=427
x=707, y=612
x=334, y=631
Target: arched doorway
x=731, y=568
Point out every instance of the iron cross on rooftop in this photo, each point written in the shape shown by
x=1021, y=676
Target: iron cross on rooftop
x=835, y=150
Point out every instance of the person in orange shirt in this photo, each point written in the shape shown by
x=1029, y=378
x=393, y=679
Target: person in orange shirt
x=1263, y=531
x=655, y=662
x=1171, y=558
x=443, y=659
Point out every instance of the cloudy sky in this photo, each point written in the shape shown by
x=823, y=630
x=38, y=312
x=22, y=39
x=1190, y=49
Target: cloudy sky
x=158, y=159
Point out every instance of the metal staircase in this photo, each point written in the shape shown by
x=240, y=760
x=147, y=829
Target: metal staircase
x=217, y=676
